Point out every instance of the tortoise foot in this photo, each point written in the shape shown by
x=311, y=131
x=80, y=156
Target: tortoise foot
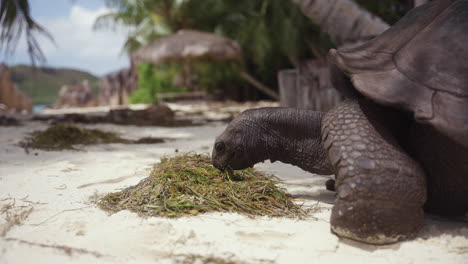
x=375, y=222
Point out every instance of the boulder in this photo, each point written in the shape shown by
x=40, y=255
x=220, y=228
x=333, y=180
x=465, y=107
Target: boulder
x=152, y=115
x=12, y=99
x=115, y=87
x=79, y=95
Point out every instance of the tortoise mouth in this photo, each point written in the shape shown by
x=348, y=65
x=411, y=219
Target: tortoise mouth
x=222, y=164
x=234, y=161
x=219, y=166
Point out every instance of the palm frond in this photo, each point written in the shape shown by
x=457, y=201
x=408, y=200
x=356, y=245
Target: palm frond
x=15, y=19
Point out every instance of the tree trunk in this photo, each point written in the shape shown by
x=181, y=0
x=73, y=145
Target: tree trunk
x=420, y=2
x=188, y=75
x=309, y=86
x=261, y=87
x=343, y=20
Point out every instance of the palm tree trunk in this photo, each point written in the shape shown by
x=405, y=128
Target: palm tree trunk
x=343, y=20
x=261, y=87
x=420, y=2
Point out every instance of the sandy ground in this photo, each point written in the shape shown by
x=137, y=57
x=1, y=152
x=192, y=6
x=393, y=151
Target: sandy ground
x=47, y=214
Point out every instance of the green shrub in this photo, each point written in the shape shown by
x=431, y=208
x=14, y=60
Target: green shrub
x=221, y=76
x=210, y=77
x=153, y=80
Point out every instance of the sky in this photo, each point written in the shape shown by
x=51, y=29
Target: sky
x=77, y=45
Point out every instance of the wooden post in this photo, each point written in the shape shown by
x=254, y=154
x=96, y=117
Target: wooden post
x=287, y=80
x=308, y=87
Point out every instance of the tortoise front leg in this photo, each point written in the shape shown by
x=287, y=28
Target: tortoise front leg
x=381, y=190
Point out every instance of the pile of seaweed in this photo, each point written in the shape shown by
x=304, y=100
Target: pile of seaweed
x=8, y=121
x=154, y=115
x=189, y=185
x=64, y=136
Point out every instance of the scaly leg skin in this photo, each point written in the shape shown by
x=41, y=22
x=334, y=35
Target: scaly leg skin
x=381, y=190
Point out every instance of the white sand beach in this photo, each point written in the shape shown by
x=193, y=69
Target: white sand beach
x=48, y=215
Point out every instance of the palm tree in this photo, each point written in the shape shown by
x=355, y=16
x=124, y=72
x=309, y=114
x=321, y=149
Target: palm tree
x=15, y=18
x=343, y=20
x=420, y=2
x=348, y=20
x=273, y=34
x=147, y=19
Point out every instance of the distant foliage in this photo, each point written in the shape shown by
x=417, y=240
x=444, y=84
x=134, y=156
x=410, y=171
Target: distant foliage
x=273, y=34
x=219, y=78
x=153, y=80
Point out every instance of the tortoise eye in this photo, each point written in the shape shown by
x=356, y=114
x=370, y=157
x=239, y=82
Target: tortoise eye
x=220, y=147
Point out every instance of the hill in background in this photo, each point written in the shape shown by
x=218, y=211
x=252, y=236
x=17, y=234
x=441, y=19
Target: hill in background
x=42, y=84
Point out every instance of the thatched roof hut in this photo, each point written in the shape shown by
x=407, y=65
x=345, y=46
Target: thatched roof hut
x=189, y=45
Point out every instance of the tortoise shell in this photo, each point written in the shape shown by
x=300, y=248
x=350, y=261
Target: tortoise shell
x=420, y=65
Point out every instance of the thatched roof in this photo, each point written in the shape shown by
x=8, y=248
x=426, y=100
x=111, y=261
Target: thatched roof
x=189, y=45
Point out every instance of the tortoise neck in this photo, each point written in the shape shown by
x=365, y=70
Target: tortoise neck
x=291, y=136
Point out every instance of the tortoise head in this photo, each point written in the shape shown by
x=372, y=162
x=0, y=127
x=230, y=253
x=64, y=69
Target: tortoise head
x=235, y=147
x=275, y=134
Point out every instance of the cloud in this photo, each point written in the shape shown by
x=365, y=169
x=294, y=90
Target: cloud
x=77, y=45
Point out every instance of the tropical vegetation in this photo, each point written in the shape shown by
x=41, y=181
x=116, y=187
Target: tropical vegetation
x=272, y=34
x=152, y=81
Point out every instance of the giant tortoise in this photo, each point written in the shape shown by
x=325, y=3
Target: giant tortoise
x=398, y=144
